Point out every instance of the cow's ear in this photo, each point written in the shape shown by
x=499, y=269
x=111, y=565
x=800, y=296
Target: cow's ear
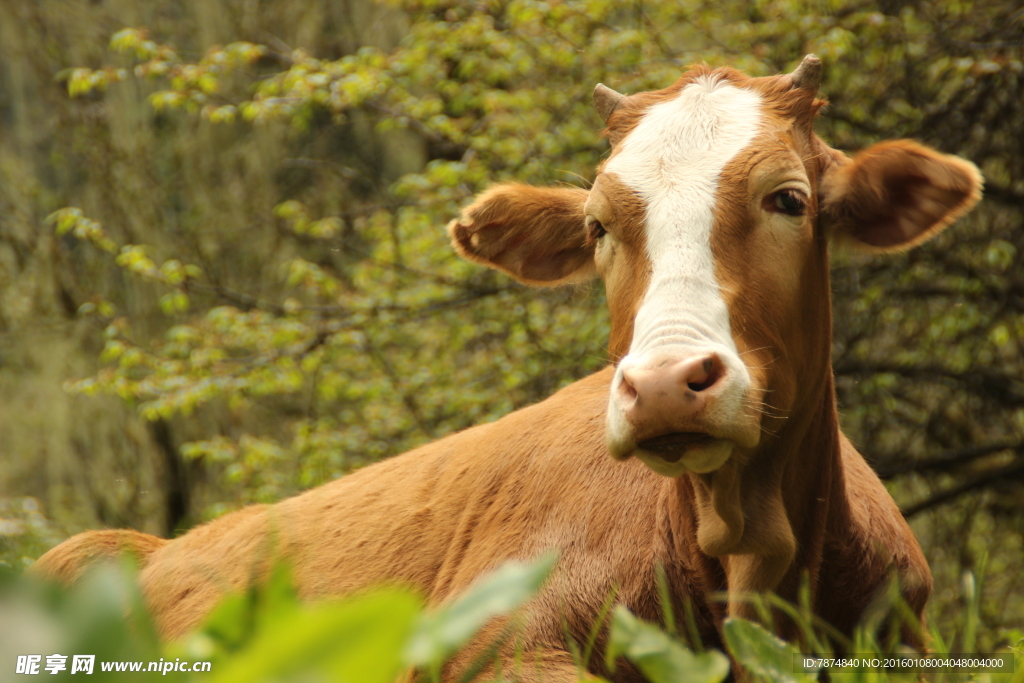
x=537, y=235
x=895, y=195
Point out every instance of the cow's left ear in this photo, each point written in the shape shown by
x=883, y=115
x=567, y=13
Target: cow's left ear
x=535, y=234
x=895, y=195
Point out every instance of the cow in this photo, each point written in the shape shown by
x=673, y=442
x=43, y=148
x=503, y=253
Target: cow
x=709, y=449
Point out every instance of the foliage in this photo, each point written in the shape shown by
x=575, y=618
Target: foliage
x=265, y=635
x=661, y=658
x=465, y=81
x=25, y=533
x=269, y=635
x=762, y=654
x=440, y=635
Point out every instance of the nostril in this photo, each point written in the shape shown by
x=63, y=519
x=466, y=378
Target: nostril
x=705, y=374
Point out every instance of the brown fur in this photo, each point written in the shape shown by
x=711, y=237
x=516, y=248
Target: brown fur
x=800, y=506
x=82, y=551
x=534, y=249
x=898, y=194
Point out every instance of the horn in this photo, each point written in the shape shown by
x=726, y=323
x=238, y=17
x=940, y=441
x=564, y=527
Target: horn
x=808, y=75
x=606, y=100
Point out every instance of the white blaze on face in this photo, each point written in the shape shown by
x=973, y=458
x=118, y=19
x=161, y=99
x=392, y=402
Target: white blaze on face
x=673, y=159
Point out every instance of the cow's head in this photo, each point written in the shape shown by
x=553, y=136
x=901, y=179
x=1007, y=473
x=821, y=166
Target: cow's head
x=709, y=224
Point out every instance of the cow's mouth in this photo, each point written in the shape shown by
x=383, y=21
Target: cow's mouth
x=679, y=452
x=672, y=447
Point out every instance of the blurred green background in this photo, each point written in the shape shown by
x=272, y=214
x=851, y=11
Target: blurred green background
x=256, y=294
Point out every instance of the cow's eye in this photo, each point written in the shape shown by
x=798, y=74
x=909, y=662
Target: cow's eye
x=595, y=230
x=788, y=202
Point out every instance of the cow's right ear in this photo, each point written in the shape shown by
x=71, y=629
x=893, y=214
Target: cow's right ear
x=896, y=194
x=535, y=234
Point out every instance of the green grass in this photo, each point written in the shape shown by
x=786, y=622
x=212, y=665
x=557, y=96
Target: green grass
x=270, y=635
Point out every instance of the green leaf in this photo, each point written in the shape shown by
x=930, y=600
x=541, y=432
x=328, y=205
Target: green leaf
x=440, y=633
x=356, y=641
x=762, y=654
x=660, y=657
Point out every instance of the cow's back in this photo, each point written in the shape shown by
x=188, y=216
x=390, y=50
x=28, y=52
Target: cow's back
x=438, y=517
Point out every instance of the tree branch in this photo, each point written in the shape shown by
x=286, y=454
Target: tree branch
x=1013, y=470
x=1006, y=389
x=949, y=460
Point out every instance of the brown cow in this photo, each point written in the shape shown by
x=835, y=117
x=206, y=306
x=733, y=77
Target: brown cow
x=709, y=224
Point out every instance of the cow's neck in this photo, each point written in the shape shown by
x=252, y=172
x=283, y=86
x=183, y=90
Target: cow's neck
x=762, y=518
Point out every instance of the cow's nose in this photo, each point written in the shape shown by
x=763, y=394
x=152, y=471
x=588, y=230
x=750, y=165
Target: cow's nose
x=669, y=391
